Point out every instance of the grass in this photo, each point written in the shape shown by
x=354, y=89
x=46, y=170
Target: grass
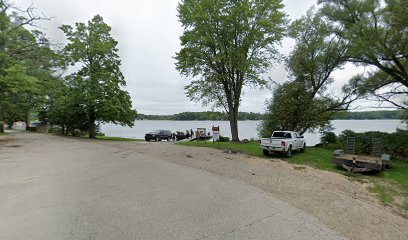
x=395, y=184
x=315, y=157
x=385, y=192
x=386, y=185
x=248, y=148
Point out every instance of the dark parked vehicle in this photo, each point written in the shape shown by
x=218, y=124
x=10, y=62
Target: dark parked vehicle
x=158, y=135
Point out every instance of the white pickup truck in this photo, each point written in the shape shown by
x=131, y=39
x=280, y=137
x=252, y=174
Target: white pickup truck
x=283, y=142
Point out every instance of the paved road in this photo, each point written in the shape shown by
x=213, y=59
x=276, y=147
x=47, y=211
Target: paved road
x=61, y=188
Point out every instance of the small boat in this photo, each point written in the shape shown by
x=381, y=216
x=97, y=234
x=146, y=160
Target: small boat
x=202, y=137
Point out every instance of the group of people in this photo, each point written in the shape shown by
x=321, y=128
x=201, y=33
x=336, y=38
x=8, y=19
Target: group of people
x=180, y=135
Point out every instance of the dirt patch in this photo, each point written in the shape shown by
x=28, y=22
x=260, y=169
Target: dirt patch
x=347, y=206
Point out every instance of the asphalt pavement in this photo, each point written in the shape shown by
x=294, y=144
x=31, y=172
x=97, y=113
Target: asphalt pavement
x=64, y=188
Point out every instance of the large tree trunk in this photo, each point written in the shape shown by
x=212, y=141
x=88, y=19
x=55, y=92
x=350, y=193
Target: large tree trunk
x=1, y=120
x=27, y=118
x=92, y=121
x=92, y=129
x=233, y=117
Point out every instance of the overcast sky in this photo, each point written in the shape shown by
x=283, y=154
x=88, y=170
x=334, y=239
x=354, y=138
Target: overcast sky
x=148, y=34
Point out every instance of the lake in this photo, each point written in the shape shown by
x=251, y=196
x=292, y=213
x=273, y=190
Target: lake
x=247, y=129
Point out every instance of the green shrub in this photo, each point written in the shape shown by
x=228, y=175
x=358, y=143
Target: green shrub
x=328, y=138
x=395, y=144
x=76, y=133
x=55, y=130
x=224, y=139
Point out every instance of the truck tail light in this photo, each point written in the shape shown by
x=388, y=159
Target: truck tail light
x=283, y=144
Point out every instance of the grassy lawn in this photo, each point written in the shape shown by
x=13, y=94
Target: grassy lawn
x=392, y=183
x=387, y=185
x=315, y=157
x=249, y=148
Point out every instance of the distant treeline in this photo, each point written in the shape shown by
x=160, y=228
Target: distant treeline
x=191, y=116
x=397, y=114
x=242, y=116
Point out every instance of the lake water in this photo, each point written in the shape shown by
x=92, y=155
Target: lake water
x=247, y=129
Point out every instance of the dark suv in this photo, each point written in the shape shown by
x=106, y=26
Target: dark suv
x=158, y=135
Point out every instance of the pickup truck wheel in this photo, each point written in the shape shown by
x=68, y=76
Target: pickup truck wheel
x=303, y=149
x=265, y=152
x=289, y=152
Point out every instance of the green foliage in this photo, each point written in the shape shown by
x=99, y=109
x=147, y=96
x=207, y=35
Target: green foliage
x=96, y=89
x=56, y=130
x=316, y=54
x=224, y=139
x=304, y=103
x=26, y=64
x=291, y=108
x=65, y=109
x=225, y=46
x=376, y=33
x=395, y=144
x=328, y=138
x=18, y=88
x=77, y=133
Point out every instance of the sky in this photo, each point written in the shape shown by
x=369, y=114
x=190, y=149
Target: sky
x=148, y=33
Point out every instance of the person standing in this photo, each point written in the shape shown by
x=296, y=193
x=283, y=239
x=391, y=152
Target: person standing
x=192, y=133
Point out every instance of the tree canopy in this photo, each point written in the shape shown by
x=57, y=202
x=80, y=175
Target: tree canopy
x=306, y=102
x=97, y=85
x=26, y=63
x=376, y=33
x=227, y=45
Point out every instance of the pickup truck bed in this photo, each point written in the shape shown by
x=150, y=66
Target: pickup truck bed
x=283, y=142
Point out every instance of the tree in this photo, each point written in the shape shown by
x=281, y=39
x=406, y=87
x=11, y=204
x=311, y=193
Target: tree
x=292, y=108
x=65, y=108
x=99, y=81
x=22, y=59
x=377, y=35
x=227, y=45
x=304, y=103
x=18, y=88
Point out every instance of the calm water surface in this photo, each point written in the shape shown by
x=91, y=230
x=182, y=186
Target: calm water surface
x=247, y=129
